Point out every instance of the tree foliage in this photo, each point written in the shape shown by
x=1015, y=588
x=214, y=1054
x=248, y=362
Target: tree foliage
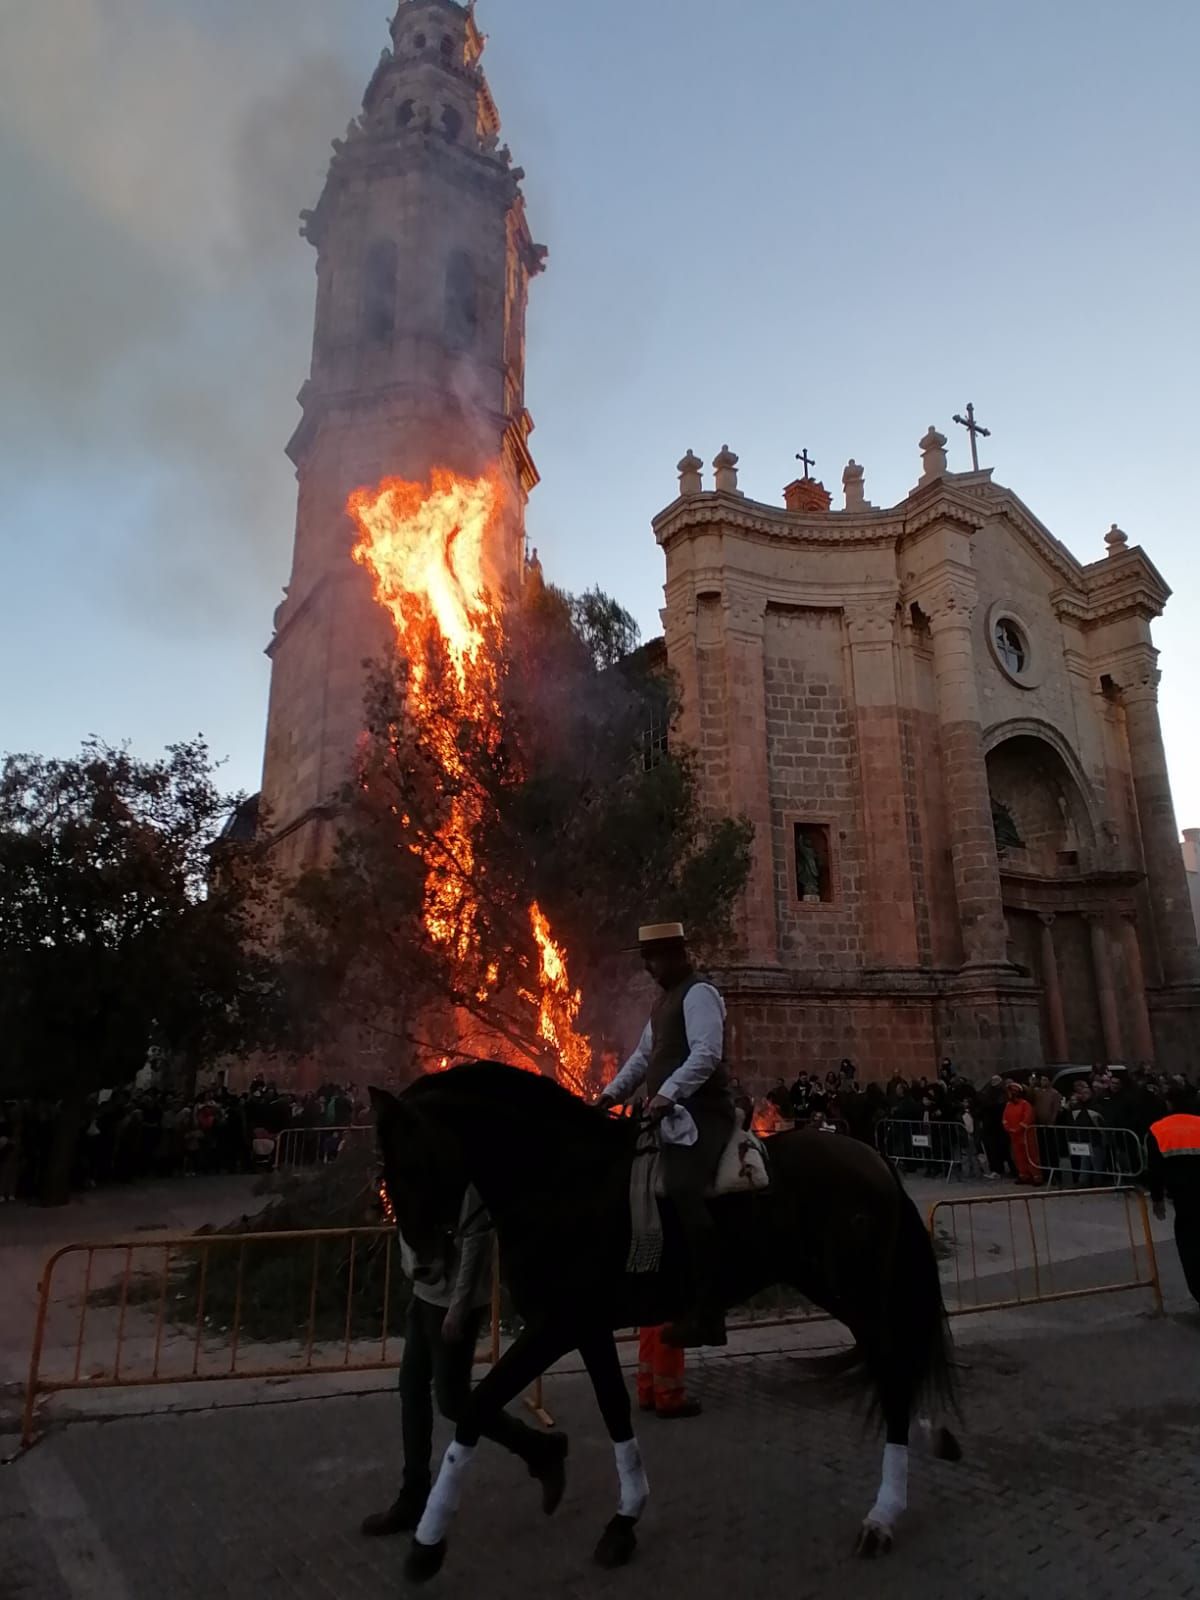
x=126, y=923
x=578, y=809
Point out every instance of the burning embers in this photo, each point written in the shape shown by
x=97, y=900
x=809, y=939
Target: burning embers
x=425, y=547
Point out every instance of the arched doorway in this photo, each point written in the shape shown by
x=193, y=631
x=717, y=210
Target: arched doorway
x=1069, y=914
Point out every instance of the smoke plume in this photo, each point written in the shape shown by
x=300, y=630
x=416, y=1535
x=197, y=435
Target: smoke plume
x=156, y=154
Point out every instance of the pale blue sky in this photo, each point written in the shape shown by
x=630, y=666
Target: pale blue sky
x=777, y=223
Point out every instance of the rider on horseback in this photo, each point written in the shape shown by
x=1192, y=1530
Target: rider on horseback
x=680, y=1060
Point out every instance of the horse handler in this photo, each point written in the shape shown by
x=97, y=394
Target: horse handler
x=450, y=1296
x=680, y=1061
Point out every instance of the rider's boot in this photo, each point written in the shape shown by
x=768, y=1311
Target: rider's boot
x=705, y=1322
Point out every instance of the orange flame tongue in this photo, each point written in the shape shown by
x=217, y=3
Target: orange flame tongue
x=425, y=549
x=558, y=1007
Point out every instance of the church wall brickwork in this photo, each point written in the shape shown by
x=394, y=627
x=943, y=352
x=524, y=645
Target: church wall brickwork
x=776, y=1037
x=935, y=872
x=813, y=763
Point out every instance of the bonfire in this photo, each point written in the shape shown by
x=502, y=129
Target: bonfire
x=426, y=548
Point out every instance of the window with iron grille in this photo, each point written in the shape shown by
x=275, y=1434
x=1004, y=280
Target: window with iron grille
x=655, y=739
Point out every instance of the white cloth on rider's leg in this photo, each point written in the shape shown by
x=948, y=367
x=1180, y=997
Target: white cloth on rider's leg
x=635, y=1486
x=678, y=1127
x=445, y=1496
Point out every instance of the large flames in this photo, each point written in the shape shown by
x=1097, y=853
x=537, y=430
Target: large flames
x=425, y=547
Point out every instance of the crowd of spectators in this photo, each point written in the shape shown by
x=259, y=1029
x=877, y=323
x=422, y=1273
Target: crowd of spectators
x=1022, y=1129
x=152, y=1133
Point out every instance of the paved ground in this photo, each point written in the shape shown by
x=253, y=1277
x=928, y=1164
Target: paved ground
x=1081, y=1476
x=28, y=1234
x=1082, y=1472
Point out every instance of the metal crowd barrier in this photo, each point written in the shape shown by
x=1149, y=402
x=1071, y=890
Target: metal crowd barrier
x=310, y=1147
x=207, y=1308
x=1079, y=1156
x=1001, y=1251
x=942, y=1145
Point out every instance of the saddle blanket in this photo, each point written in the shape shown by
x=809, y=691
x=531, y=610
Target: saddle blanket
x=743, y=1167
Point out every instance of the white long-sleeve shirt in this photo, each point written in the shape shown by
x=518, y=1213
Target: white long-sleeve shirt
x=704, y=1023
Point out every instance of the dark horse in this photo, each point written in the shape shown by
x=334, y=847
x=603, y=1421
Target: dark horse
x=554, y=1174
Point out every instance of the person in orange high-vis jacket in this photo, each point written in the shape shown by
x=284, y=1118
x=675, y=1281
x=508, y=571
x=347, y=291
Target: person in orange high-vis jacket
x=1173, y=1151
x=1018, y=1125
x=660, y=1384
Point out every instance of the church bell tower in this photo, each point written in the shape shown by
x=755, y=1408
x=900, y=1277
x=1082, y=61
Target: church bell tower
x=424, y=258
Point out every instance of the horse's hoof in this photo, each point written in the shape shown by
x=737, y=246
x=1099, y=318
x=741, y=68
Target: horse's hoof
x=552, y=1473
x=874, y=1541
x=617, y=1543
x=946, y=1446
x=424, y=1561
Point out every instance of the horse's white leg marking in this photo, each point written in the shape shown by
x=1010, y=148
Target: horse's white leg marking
x=892, y=1499
x=446, y=1494
x=635, y=1486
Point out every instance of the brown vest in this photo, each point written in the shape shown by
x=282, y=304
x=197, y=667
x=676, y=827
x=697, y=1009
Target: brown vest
x=669, y=1048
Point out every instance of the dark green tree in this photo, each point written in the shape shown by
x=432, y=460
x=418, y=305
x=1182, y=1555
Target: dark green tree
x=126, y=922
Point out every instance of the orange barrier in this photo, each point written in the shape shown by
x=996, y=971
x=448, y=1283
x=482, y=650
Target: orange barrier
x=203, y=1308
x=1001, y=1251
x=207, y=1308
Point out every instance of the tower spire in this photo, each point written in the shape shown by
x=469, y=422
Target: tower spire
x=424, y=260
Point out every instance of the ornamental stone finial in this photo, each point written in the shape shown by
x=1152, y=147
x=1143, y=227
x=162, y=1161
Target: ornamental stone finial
x=725, y=464
x=690, y=468
x=933, y=456
x=1116, y=540
x=852, y=482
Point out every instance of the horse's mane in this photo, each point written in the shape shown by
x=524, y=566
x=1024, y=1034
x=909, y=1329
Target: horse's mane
x=530, y=1096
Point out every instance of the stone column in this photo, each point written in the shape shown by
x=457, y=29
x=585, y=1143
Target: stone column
x=891, y=928
x=1055, y=1016
x=1140, y=1031
x=1106, y=992
x=1166, y=877
x=964, y=778
x=749, y=779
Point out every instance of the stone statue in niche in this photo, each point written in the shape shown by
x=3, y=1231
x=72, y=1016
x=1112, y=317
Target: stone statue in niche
x=808, y=868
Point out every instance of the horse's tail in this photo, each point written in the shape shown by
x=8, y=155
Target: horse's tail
x=920, y=1341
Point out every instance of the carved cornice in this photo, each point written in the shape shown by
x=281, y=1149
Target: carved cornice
x=939, y=502
x=702, y=513
x=516, y=442
x=1125, y=585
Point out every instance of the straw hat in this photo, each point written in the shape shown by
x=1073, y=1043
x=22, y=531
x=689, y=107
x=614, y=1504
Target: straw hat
x=660, y=933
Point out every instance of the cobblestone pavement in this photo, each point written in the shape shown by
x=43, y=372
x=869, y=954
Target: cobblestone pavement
x=1081, y=1477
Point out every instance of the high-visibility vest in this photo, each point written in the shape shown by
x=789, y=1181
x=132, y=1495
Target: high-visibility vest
x=1177, y=1135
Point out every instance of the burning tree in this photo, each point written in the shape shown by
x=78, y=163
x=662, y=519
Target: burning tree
x=508, y=820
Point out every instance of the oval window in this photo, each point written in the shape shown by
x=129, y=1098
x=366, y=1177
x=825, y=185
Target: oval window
x=1011, y=646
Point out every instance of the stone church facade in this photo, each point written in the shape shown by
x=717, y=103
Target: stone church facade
x=943, y=726
x=424, y=261
x=945, y=730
